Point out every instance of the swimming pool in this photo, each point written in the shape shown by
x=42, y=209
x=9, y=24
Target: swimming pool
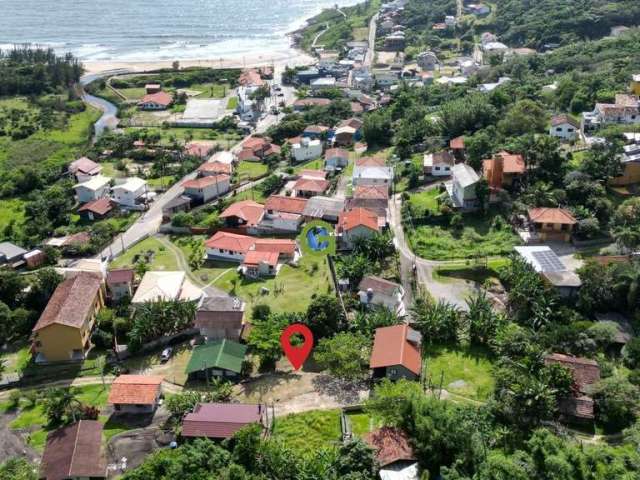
x=317, y=238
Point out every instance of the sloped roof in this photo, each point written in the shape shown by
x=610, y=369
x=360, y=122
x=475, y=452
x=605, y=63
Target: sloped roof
x=199, y=148
x=131, y=184
x=311, y=185
x=318, y=207
x=248, y=210
x=84, y=165
x=457, y=143
x=160, y=285
x=247, y=154
x=391, y=347
x=135, y=390
x=586, y=372
x=315, y=174
x=231, y=241
x=216, y=167
x=223, y=354
x=256, y=257
x=371, y=162
x=161, y=98
x=551, y=215
x=358, y=217
x=74, y=451
x=513, y=162
x=204, y=182
x=564, y=119
x=374, y=172
x=10, y=250
x=352, y=122
x=71, y=301
x=122, y=275
x=379, y=285
x=390, y=445
x=580, y=407
x=101, y=206
x=278, y=245
x=371, y=192
x=220, y=420
x=439, y=158
x=95, y=183
x=464, y=174
x=336, y=152
x=282, y=203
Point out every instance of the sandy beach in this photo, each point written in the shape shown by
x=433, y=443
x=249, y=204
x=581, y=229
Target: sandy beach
x=278, y=59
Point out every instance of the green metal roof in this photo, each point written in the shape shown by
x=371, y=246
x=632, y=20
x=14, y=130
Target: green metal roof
x=224, y=354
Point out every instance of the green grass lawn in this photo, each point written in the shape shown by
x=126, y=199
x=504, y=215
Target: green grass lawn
x=290, y=291
x=161, y=182
x=163, y=258
x=11, y=209
x=317, y=164
x=476, y=272
x=133, y=93
x=33, y=417
x=232, y=103
x=211, y=270
x=226, y=140
x=309, y=431
x=471, y=366
x=210, y=90
x=254, y=194
x=427, y=200
x=477, y=238
x=249, y=170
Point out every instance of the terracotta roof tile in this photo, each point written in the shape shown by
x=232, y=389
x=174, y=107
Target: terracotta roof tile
x=135, y=390
x=101, y=206
x=216, y=167
x=372, y=192
x=123, y=275
x=551, y=215
x=74, y=451
x=284, y=204
x=585, y=372
x=279, y=245
x=161, y=98
x=205, y=182
x=391, y=348
x=457, y=143
x=249, y=211
x=71, y=302
x=231, y=241
x=311, y=185
x=358, y=217
x=390, y=445
x=255, y=257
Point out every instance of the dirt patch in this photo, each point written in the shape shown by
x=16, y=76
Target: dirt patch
x=12, y=443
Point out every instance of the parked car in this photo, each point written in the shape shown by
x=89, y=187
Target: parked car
x=166, y=354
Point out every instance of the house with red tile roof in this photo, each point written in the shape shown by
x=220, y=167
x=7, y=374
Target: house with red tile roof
x=135, y=393
x=203, y=189
x=370, y=162
x=63, y=331
x=564, y=127
x=208, y=169
x=229, y=246
x=586, y=374
x=155, y=101
x=303, y=103
x=286, y=248
x=74, y=452
x=335, y=158
x=251, y=78
x=310, y=187
x=356, y=224
x=396, y=353
x=552, y=223
x=245, y=214
x=221, y=420
x=199, y=148
x=371, y=192
x=503, y=170
x=120, y=283
x=283, y=214
x=393, y=452
x=97, y=209
x=258, y=264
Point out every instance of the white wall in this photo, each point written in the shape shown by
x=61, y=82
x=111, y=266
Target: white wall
x=215, y=253
x=86, y=195
x=564, y=131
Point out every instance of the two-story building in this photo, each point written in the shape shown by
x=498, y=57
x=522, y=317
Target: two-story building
x=462, y=188
x=201, y=190
x=63, y=331
x=130, y=193
x=96, y=187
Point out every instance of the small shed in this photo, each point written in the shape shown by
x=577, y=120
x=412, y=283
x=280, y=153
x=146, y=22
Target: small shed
x=218, y=358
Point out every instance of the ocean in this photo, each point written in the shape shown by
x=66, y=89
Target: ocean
x=152, y=30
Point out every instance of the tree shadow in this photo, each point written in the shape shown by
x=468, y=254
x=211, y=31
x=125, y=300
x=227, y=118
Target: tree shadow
x=345, y=392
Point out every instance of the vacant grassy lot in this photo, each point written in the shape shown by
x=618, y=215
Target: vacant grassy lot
x=249, y=170
x=309, y=431
x=477, y=238
x=317, y=164
x=211, y=271
x=475, y=272
x=163, y=258
x=32, y=417
x=290, y=291
x=225, y=140
x=210, y=90
x=467, y=372
x=425, y=201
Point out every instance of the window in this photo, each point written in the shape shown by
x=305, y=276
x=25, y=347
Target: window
x=437, y=168
x=393, y=371
x=558, y=129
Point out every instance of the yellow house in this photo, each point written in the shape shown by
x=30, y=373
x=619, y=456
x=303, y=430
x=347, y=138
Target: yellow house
x=552, y=223
x=635, y=84
x=63, y=331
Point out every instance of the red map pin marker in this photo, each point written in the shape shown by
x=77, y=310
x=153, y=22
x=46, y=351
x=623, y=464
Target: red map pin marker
x=296, y=355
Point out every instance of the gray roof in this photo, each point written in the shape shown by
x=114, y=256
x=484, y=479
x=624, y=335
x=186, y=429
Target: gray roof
x=10, y=251
x=221, y=304
x=385, y=173
x=464, y=175
x=563, y=279
x=541, y=258
x=318, y=207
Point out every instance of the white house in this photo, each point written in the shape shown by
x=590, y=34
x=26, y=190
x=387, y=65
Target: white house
x=156, y=286
x=438, y=164
x=372, y=175
x=207, y=188
x=625, y=110
x=378, y=291
x=551, y=268
x=462, y=188
x=306, y=149
x=283, y=214
x=130, y=193
x=335, y=158
x=247, y=107
x=228, y=246
x=564, y=127
x=93, y=189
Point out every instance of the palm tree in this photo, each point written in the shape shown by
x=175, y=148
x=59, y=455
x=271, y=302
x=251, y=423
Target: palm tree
x=627, y=238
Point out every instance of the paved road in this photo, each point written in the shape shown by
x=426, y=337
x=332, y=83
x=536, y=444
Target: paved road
x=371, y=51
x=109, y=119
x=454, y=291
